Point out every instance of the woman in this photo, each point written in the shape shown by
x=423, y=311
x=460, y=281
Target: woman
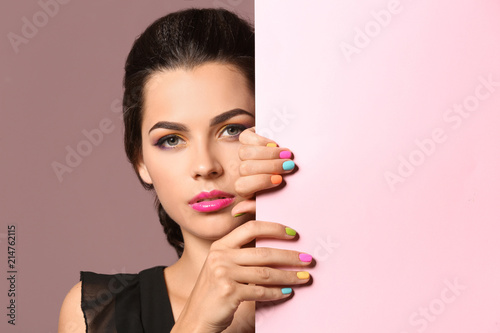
x=189, y=112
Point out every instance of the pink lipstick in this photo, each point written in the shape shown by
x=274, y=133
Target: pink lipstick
x=211, y=201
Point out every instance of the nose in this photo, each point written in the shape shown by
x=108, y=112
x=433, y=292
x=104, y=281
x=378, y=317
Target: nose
x=205, y=163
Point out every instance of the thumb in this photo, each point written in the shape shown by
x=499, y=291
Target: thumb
x=246, y=206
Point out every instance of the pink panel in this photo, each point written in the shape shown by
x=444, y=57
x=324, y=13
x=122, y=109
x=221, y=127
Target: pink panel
x=392, y=111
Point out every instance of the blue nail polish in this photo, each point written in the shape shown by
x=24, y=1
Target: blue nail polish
x=286, y=291
x=288, y=165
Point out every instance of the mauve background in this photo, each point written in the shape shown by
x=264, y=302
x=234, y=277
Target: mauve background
x=67, y=79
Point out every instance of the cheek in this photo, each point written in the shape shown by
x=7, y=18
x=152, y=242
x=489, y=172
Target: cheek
x=162, y=168
x=169, y=182
x=232, y=161
x=169, y=173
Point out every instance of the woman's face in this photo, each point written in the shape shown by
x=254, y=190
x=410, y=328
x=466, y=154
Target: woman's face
x=191, y=123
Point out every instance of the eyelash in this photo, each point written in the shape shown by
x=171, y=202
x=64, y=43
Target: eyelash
x=164, y=139
x=161, y=141
x=237, y=126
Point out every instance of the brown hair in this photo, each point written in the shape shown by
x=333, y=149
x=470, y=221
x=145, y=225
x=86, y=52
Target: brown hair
x=183, y=39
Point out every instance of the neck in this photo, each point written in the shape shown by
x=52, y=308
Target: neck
x=194, y=255
x=186, y=270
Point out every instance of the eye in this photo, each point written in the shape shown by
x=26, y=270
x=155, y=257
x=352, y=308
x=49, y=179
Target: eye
x=233, y=130
x=170, y=142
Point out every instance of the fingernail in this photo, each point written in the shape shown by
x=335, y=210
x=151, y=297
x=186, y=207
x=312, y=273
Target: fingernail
x=286, y=291
x=288, y=165
x=271, y=144
x=276, y=179
x=303, y=275
x=285, y=154
x=304, y=257
x=239, y=214
x=290, y=231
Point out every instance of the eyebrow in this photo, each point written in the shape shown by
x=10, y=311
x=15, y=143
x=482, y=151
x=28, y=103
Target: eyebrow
x=228, y=115
x=214, y=121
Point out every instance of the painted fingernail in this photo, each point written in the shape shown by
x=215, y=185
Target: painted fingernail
x=288, y=165
x=304, y=257
x=285, y=154
x=271, y=144
x=303, y=275
x=290, y=231
x=239, y=214
x=286, y=291
x=276, y=179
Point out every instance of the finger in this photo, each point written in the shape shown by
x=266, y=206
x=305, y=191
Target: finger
x=249, y=137
x=262, y=293
x=269, y=276
x=243, y=207
x=254, y=167
x=250, y=152
x=248, y=185
x=264, y=256
x=251, y=230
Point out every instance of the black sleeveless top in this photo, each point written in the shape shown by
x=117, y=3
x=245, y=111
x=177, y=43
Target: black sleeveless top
x=126, y=303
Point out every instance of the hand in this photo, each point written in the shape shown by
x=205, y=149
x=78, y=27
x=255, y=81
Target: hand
x=261, y=168
x=232, y=275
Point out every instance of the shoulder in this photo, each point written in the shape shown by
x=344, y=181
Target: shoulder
x=71, y=317
x=98, y=295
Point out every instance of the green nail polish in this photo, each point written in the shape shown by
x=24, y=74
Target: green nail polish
x=290, y=231
x=239, y=214
x=286, y=291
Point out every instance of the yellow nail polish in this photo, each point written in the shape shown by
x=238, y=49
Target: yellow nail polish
x=239, y=214
x=271, y=144
x=303, y=275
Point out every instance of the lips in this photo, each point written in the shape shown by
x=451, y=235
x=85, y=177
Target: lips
x=211, y=201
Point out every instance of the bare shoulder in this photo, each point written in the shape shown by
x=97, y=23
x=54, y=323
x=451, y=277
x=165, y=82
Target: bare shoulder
x=71, y=316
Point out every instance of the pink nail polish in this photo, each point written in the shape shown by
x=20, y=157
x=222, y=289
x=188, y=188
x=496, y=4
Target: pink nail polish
x=285, y=154
x=305, y=257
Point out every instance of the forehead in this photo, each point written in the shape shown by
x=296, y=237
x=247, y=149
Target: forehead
x=195, y=94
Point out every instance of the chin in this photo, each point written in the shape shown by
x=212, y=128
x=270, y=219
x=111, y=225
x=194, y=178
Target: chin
x=215, y=226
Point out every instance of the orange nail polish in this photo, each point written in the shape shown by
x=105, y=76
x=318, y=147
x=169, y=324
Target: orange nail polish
x=276, y=179
x=271, y=144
